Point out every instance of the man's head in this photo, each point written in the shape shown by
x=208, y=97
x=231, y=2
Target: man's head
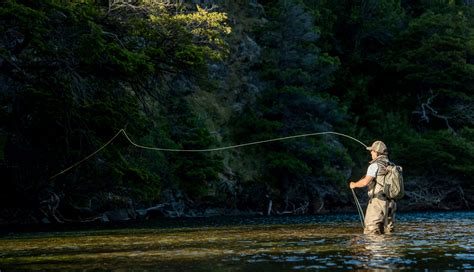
x=378, y=148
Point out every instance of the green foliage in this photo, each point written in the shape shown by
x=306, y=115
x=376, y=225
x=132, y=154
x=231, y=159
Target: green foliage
x=196, y=172
x=296, y=74
x=73, y=73
x=407, y=81
x=192, y=56
x=435, y=65
x=439, y=41
x=145, y=186
x=296, y=59
x=283, y=164
x=74, y=77
x=207, y=28
x=448, y=157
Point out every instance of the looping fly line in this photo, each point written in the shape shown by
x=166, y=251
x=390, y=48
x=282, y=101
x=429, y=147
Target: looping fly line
x=201, y=150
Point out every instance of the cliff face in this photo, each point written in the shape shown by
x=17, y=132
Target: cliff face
x=236, y=85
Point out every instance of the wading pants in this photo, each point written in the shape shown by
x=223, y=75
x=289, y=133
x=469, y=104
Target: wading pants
x=380, y=216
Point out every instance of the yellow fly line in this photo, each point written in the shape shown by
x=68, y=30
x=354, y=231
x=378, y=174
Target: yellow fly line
x=122, y=131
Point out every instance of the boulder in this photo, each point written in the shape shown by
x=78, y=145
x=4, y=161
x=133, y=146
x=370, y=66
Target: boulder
x=119, y=215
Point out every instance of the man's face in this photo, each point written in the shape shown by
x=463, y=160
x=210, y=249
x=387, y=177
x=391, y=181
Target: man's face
x=373, y=154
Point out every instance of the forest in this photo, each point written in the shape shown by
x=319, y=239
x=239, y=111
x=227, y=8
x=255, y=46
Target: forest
x=201, y=74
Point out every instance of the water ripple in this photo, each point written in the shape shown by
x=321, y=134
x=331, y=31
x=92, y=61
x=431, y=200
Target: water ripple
x=422, y=241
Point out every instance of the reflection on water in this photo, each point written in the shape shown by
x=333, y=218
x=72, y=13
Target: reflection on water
x=427, y=240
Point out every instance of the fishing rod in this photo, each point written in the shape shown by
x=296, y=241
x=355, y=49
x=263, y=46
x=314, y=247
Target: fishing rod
x=359, y=208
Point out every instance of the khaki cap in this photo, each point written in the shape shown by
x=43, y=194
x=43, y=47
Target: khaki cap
x=379, y=147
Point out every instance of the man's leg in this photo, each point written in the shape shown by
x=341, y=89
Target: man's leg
x=392, y=208
x=374, y=217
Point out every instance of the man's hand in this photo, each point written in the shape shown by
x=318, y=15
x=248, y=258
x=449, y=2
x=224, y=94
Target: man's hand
x=361, y=183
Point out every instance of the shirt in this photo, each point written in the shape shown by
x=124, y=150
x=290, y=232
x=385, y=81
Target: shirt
x=372, y=170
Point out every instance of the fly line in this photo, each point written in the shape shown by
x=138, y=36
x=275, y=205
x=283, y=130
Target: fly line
x=122, y=131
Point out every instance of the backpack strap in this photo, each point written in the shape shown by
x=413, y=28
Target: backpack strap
x=382, y=163
x=382, y=167
x=373, y=192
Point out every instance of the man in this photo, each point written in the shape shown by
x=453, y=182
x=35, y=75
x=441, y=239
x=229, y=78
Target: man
x=379, y=217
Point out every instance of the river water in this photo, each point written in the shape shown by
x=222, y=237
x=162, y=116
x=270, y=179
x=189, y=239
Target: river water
x=435, y=241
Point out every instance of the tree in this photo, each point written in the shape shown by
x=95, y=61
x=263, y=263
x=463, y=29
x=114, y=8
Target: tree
x=73, y=75
x=295, y=73
x=435, y=67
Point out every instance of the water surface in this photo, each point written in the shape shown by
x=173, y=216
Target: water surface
x=422, y=241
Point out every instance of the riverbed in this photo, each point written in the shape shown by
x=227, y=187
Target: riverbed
x=431, y=240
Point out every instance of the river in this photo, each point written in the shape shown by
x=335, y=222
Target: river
x=431, y=240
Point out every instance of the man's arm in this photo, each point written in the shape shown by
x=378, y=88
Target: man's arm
x=361, y=183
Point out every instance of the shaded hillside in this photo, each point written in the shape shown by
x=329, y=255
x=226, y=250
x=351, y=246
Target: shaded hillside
x=204, y=74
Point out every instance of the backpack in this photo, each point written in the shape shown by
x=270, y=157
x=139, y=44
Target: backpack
x=393, y=186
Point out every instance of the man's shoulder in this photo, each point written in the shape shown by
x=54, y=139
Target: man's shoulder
x=374, y=165
x=372, y=170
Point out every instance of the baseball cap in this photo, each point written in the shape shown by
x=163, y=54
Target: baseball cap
x=378, y=146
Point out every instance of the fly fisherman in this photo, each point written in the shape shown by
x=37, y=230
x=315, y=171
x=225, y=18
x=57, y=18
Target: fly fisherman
x=379, y=217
